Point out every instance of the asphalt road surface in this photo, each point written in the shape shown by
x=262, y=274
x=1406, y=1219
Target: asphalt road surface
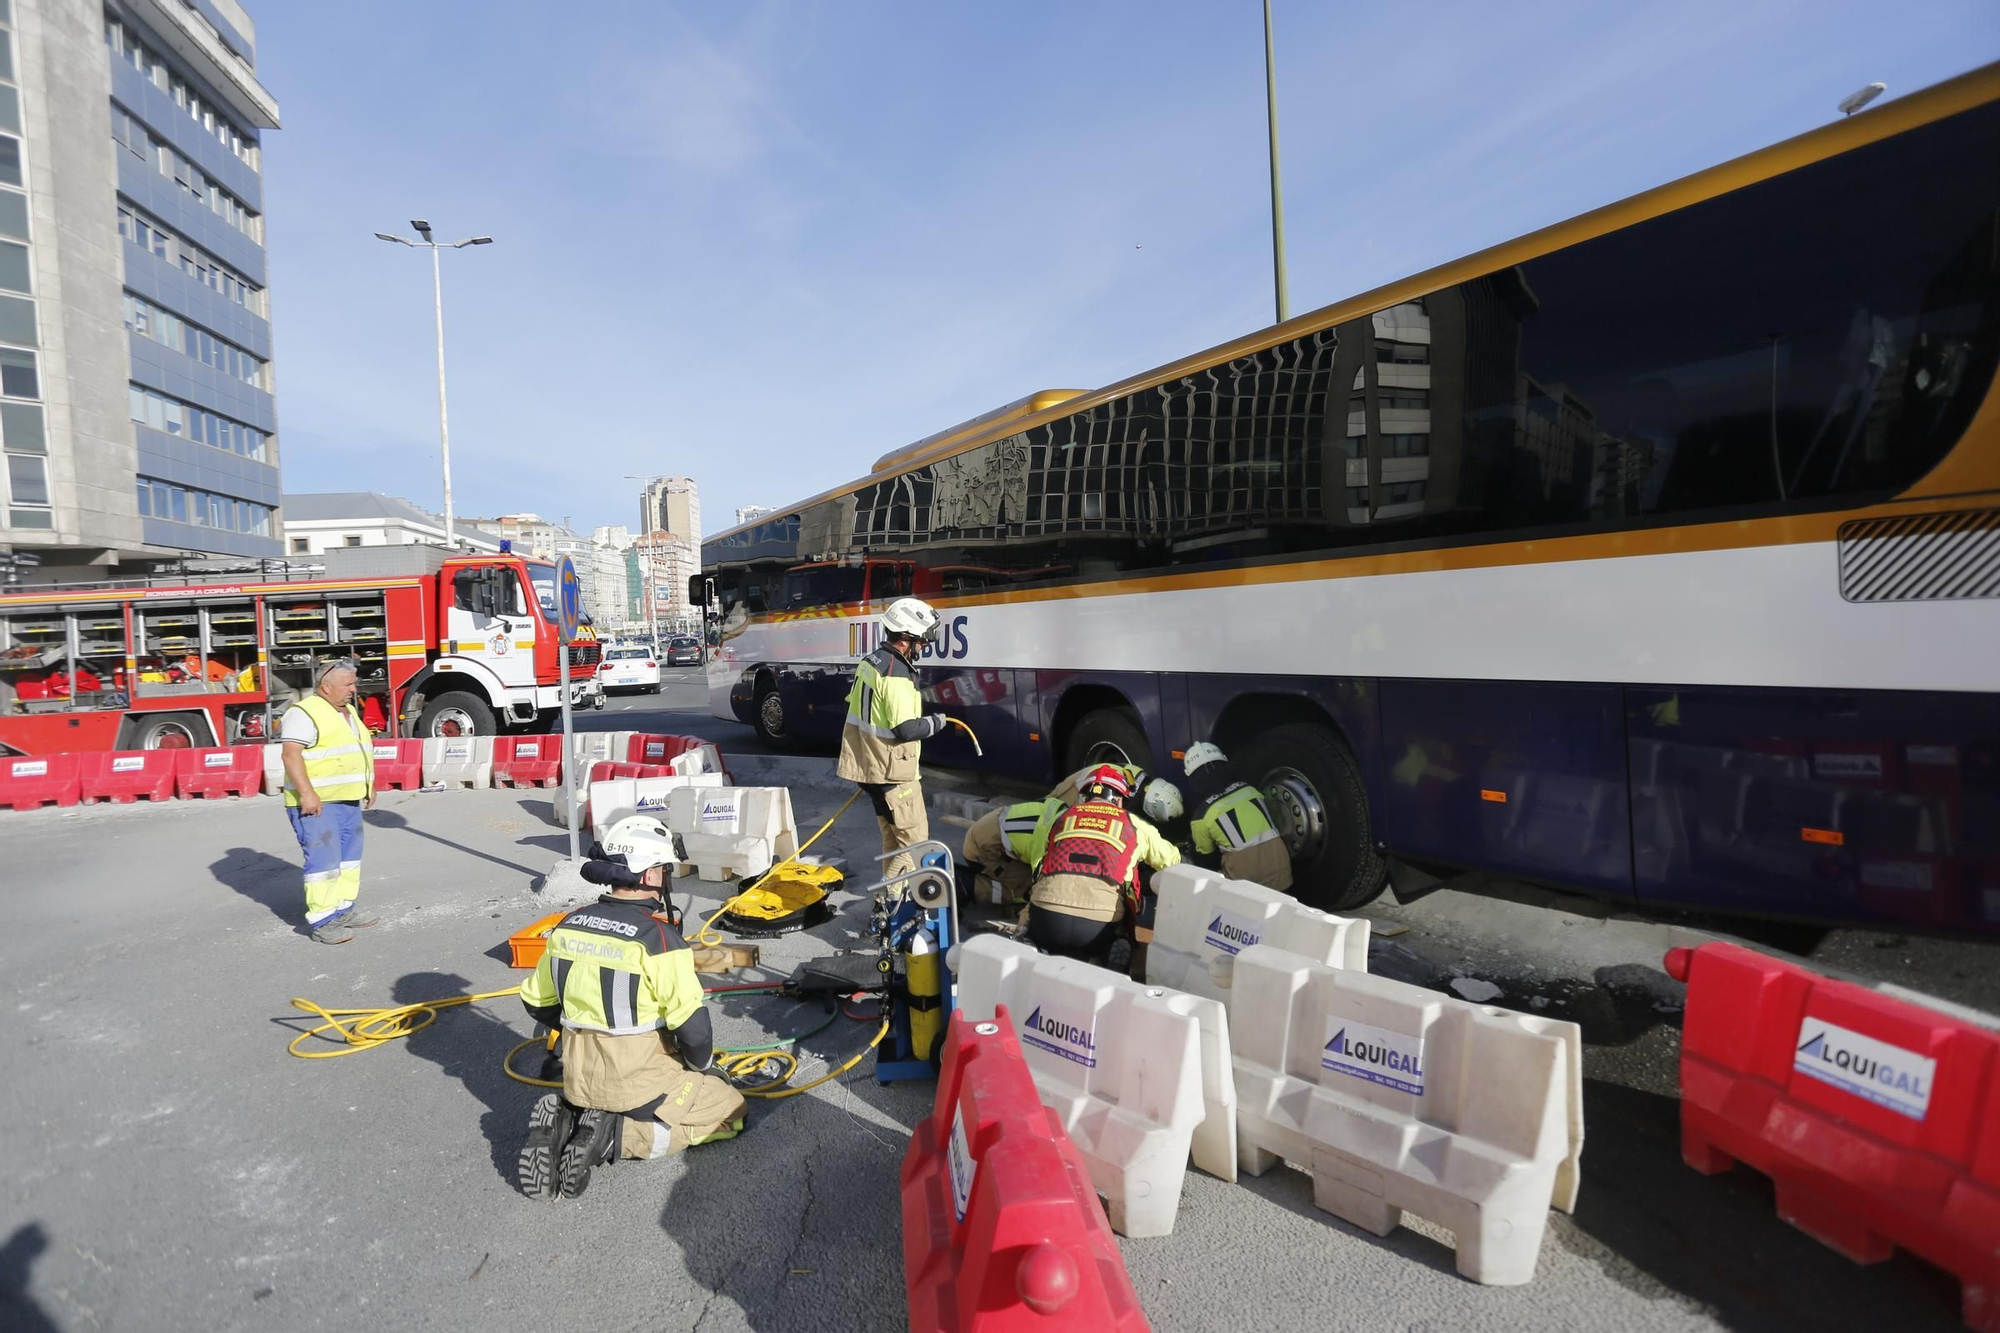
x=168, y=1165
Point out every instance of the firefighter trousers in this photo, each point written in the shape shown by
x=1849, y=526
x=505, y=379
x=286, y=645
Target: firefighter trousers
x=899, y=809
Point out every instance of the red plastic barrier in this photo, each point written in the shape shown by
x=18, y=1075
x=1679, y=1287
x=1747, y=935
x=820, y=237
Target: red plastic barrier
x=647, y=748
x=32, y=781
x=1873, y=1116
x=399, y=763
x=225, y=770
x=1001, y=1228
x=527, y=761
x=126, y=776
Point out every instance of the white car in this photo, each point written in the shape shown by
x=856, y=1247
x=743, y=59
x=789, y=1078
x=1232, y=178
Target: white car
x=629, y=669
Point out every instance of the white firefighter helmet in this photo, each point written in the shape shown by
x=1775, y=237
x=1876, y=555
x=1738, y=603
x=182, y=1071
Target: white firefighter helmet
x=1201, y=752
x=643, y=842
x=1162, y=802
x=911, y=616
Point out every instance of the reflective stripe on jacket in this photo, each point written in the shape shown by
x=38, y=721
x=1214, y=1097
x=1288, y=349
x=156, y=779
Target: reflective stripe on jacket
x=615, y=967
x=1026, y=826
x=340, y=763
x=1236, y=819
x=884, y=696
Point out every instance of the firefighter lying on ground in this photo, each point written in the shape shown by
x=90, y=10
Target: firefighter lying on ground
x=620, y=981
x=1087, y=883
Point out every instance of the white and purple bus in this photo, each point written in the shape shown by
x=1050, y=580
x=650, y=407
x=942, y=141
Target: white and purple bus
x=1654, y=555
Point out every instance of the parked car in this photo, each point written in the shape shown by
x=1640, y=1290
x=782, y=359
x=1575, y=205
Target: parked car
x=684, y=651
x=630, y=669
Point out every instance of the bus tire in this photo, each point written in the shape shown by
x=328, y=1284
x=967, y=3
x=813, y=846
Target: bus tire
x=1313, y=786
x=456, y=714
x=768, y=716
x=1098, y=733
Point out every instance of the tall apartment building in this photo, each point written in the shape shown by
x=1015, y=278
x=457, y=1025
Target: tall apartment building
x=671, y=504
x=749, y=512
x=611, y=593
x=136, y=409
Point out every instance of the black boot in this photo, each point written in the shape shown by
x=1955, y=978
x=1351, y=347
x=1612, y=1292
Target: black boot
x=593, y=1143
x=550, y=1122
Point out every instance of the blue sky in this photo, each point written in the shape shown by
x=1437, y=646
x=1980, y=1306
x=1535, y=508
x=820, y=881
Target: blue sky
x=762, y=244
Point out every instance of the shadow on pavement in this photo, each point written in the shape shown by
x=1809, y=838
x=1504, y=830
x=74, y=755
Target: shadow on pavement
x=468, y=1043
x=1650, y=1221
x=265, y=879
x=20, y=1312
x=389, y=819
x=833, y=1156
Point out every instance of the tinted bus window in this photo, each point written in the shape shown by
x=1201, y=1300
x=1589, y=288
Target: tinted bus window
x=823, y=585
x=1816, y=340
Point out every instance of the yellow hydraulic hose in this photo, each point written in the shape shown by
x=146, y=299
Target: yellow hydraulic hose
x=364, y=1029
x=976, y=747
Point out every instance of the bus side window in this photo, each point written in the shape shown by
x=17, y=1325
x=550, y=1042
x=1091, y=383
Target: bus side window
x=888, y=580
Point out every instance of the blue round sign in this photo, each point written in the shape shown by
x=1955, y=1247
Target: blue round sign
x=569, y=599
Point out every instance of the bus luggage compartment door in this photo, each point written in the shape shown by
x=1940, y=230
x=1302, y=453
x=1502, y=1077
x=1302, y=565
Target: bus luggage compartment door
x=1513, y=776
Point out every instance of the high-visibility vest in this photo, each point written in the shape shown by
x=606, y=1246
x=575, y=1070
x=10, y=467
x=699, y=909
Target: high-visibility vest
x=340, y=763
x=614, y=966
x=1236, y=819
x=1097, y=840
x=1026, y=826
x=883, y=697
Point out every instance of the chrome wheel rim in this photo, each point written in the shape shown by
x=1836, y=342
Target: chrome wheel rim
x=1297, y=810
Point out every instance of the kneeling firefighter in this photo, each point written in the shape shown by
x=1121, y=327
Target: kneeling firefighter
x=1006, y=845
x=1231, y=820
x=886, y=725
x=1088, y=878
x=620, y=981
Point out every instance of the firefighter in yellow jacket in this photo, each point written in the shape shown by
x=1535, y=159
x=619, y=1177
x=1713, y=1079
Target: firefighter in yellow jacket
x=1089, y=876
x=620, y=981
x=886, y=725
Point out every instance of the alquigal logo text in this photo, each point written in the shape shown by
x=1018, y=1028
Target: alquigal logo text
x=1069, y=1040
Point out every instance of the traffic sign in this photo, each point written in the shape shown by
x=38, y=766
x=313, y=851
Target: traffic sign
x=569, y=599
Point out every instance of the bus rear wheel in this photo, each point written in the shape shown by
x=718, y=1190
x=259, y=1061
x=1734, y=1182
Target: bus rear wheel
x=1314, y=790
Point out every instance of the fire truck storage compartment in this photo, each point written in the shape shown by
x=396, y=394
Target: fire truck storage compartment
x=308, y=628
x=53, y=661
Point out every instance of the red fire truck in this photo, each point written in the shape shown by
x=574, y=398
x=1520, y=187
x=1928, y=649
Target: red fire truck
x=443, y=645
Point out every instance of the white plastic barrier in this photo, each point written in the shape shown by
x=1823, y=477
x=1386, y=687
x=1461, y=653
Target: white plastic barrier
x=1401, y=1098
x=612, y=800
x=1204, y=920
x=458, y=761
x=733, y=831
x=590, y=747
x=1138, y=1075
x=693, y=763
x=274, y=768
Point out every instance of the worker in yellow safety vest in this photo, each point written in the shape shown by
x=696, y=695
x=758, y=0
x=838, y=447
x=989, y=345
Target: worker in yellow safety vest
x=886, y=725
x=619, y=980
x=329, y=760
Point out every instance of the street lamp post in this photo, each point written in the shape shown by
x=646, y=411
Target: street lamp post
x=1277, y=192
x=423, y=229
